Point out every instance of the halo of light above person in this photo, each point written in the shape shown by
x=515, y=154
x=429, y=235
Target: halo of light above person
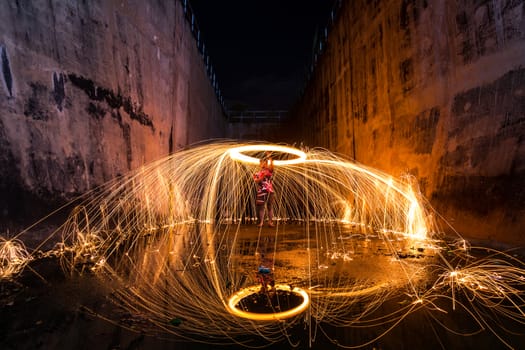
x=237, y=153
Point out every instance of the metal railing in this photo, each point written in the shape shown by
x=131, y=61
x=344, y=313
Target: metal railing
x=210, y=71
x=319, y=47
x=320, y=42
x=257, y=116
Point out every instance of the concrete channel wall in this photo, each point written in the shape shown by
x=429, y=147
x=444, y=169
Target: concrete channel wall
x=90, y=90
x=435, y=89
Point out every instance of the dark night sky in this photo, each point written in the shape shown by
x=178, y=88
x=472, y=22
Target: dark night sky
x=260, y=50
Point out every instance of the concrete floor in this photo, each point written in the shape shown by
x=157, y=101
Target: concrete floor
x=44, y=309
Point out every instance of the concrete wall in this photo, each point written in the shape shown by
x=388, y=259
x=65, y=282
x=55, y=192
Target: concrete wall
x=435, y=89
x=93, y=89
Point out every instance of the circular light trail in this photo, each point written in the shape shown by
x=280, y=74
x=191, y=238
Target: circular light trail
x=174, y=243
x=237, y=153
x=245, y=292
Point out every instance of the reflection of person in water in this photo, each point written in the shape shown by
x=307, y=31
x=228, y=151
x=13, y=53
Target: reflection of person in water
x=265, y=275
x=265, y=192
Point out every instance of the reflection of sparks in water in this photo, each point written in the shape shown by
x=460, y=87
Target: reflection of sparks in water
x=236, y=298
x=173, y=238
x=13, y=257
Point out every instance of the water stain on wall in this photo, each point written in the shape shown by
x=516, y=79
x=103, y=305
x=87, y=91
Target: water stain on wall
x=6, y=70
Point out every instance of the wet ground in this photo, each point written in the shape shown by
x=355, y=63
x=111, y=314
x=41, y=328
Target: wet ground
x=45, y=309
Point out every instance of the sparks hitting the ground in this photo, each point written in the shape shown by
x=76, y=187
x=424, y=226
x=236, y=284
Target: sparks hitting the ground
x=177, y=240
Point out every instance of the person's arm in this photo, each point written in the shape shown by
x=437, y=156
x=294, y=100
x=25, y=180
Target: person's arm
x=269, y=163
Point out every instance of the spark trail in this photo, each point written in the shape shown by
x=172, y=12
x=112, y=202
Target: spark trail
x=176, y=239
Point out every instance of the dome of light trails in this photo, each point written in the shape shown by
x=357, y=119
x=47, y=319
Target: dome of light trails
x=177, y=241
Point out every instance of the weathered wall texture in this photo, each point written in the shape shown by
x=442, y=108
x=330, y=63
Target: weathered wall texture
x=435, y=89
x=93, y=89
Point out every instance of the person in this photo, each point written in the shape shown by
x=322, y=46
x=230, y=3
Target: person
x=265, y=275
x=265, y=192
